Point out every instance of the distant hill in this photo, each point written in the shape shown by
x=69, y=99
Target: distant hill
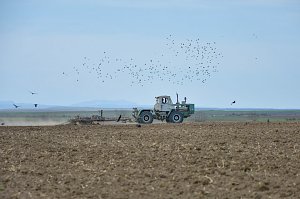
x=95, y=105
x=6, y=104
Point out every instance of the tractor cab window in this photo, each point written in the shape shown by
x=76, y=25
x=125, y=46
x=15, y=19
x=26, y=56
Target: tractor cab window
x=164, y=100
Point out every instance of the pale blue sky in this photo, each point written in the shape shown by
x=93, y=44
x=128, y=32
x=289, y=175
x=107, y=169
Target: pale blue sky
x=259, y=41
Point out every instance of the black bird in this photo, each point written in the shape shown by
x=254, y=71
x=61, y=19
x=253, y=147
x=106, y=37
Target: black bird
x=119, y=118
x=233, y=102
x=33, y=93
x=35, y=105
x=16, y=106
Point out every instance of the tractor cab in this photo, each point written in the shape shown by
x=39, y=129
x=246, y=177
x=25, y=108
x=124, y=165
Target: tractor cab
x=163, y=103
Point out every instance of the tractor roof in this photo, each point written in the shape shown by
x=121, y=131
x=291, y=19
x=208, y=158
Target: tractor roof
x=167, y=96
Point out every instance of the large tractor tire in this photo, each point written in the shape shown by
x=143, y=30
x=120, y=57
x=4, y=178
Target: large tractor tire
x=146, y=117
x=175, y=117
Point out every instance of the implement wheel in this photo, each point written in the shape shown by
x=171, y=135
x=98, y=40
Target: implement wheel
x=146, y=117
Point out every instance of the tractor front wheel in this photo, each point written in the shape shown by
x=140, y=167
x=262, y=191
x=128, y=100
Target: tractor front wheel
x=146, y=117
x=175, y=117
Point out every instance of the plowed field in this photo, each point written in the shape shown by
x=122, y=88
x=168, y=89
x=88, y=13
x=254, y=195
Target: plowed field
x=190, y=160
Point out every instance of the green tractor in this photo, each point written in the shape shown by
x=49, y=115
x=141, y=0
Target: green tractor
x=164, y=109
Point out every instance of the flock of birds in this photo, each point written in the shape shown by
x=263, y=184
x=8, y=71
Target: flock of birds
x=32, y=93
x=182, y=62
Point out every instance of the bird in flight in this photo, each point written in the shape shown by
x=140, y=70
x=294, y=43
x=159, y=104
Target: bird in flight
x=233, y=102
x=16, y=106
x=33, y=93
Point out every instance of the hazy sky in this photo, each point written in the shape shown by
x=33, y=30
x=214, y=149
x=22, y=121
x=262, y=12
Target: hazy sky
x=42, y=41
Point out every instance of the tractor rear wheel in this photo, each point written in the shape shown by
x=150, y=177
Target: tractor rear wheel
x=146, y=117
x=175, y=117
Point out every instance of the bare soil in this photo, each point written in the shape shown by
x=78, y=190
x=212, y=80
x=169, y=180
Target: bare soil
x=190, y=160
